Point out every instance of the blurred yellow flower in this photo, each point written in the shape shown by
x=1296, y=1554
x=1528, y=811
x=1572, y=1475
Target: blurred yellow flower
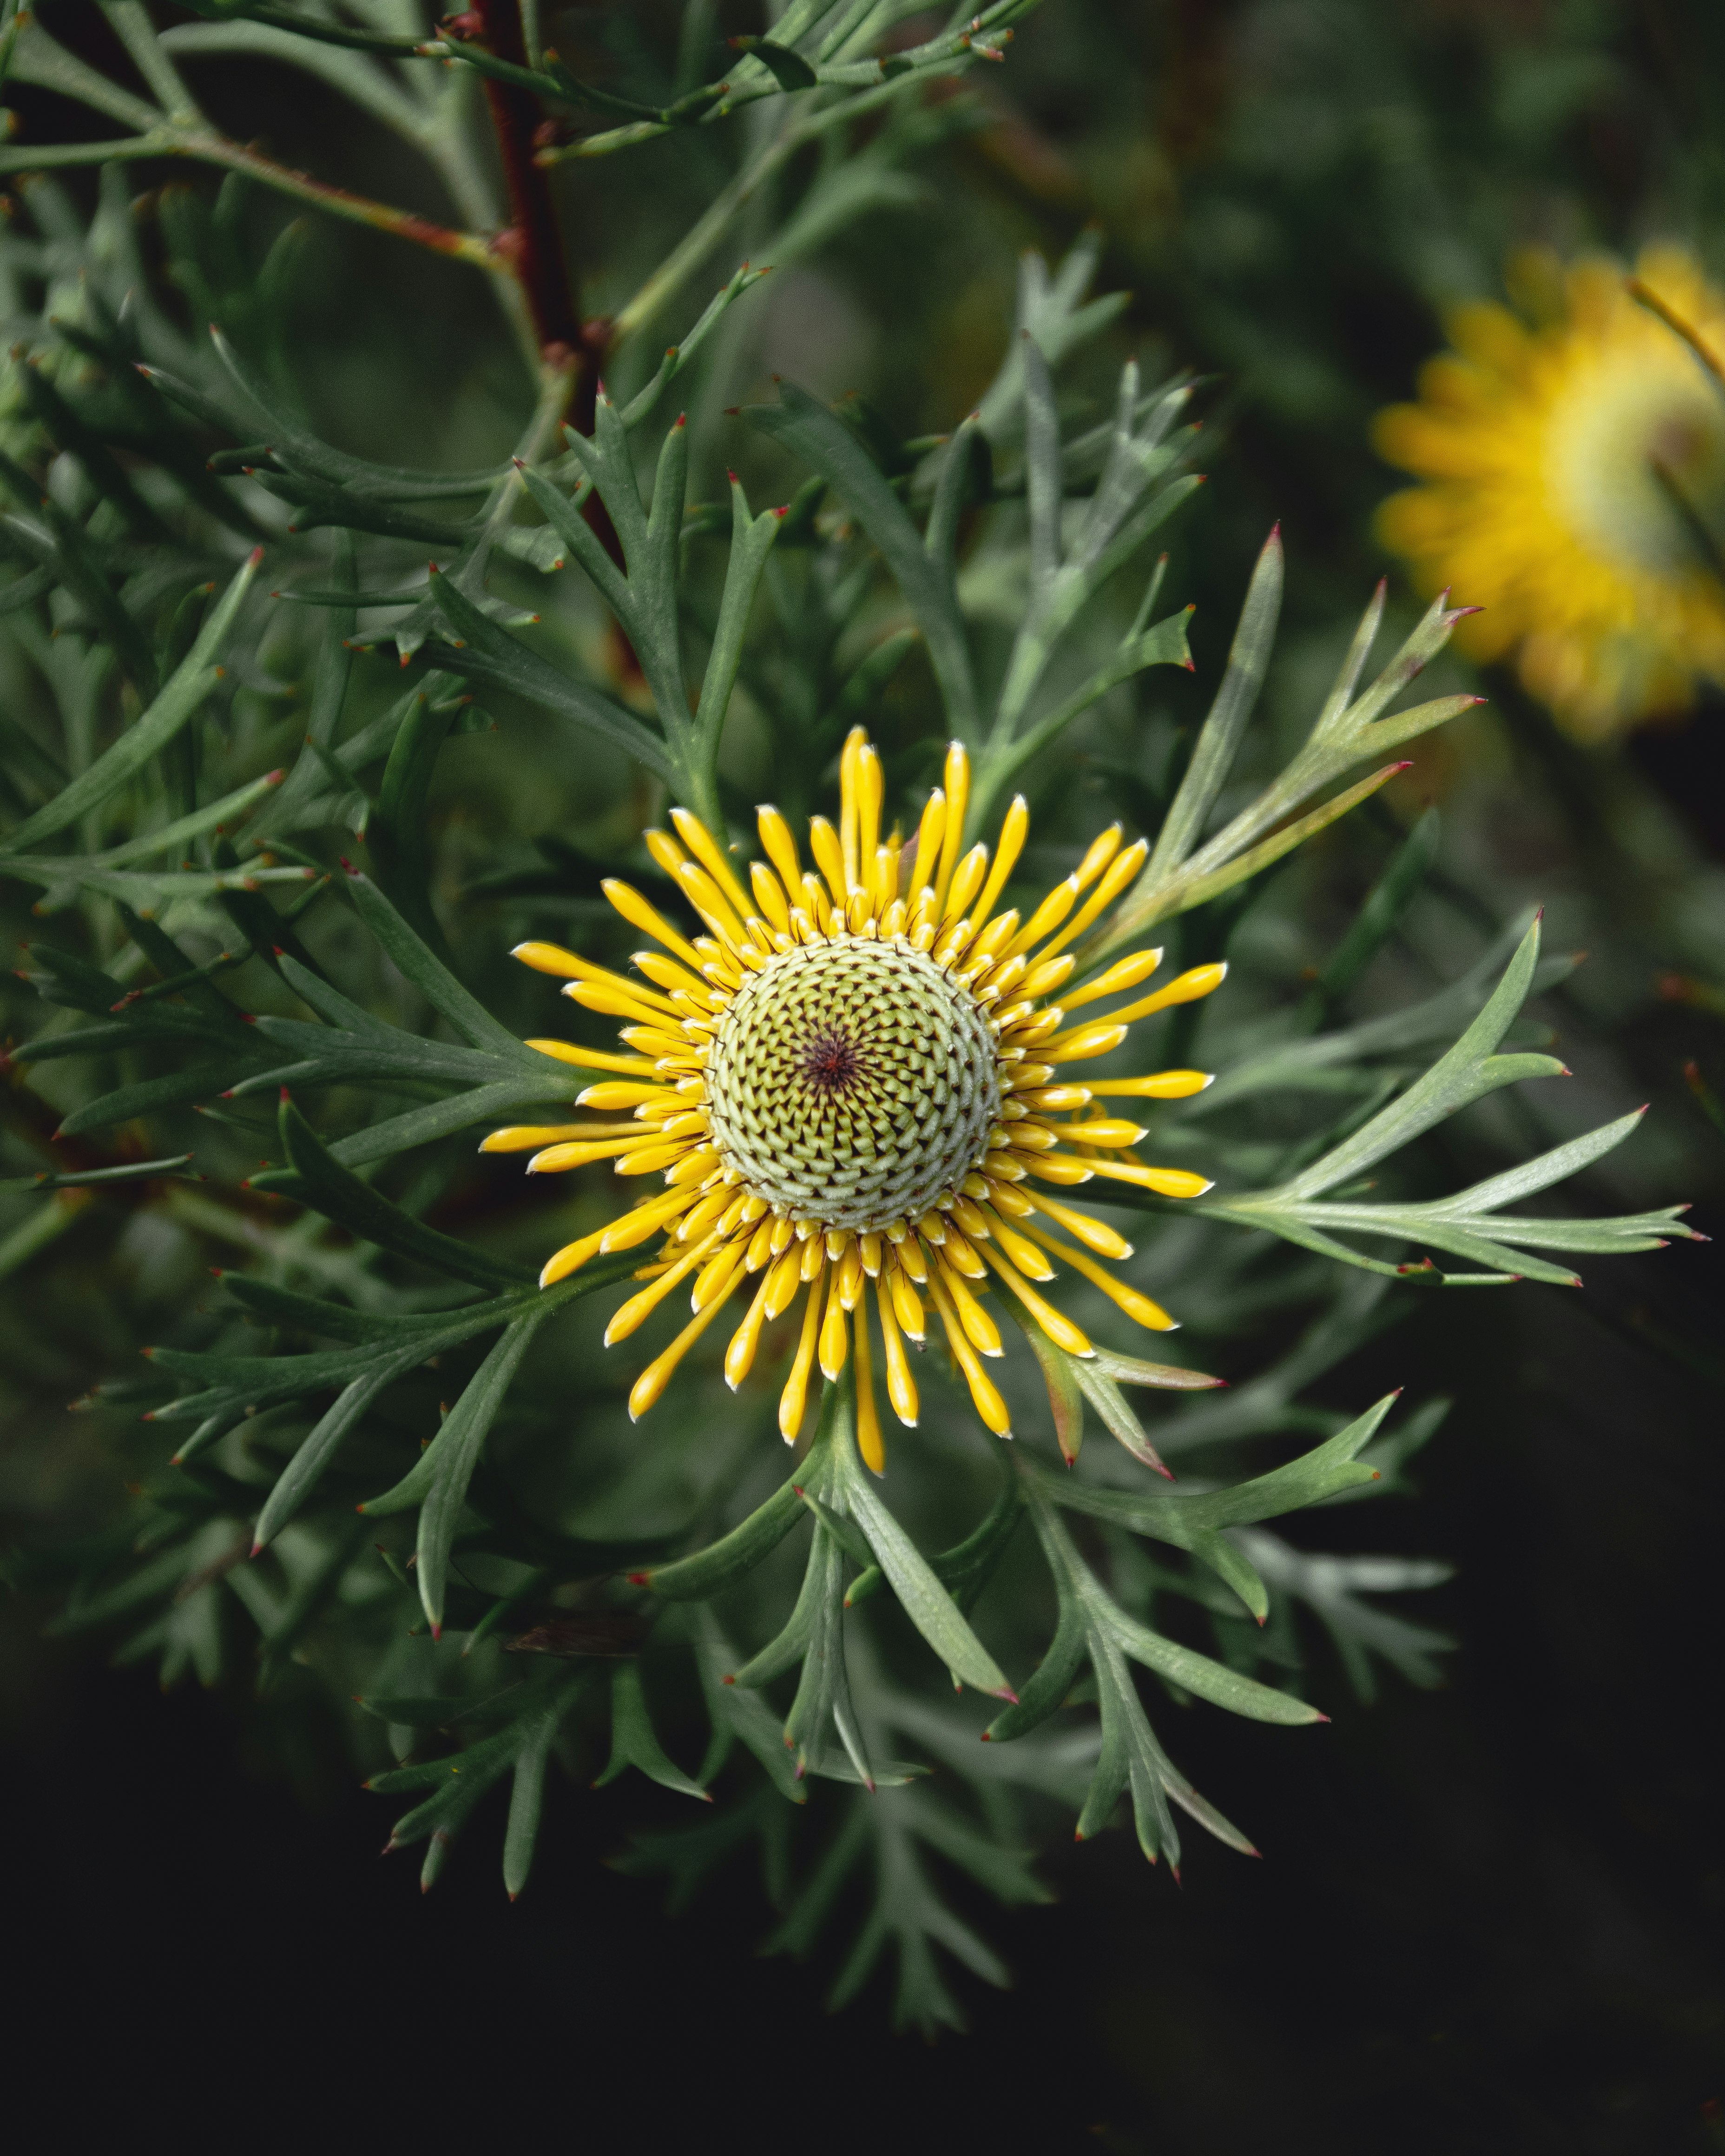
x=1574, y=486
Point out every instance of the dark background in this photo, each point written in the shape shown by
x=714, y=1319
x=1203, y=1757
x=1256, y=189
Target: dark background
x=1487, y=1918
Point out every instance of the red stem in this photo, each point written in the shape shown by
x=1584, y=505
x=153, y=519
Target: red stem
x=536, y=246
x=533, y=237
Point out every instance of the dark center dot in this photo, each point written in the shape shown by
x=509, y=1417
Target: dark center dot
x=829, y=1062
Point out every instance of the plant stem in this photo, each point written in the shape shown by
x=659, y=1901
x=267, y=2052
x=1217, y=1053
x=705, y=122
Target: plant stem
x=533, y=240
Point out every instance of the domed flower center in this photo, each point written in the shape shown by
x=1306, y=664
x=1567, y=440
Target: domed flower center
x=1639, y=461
x=852, y=1083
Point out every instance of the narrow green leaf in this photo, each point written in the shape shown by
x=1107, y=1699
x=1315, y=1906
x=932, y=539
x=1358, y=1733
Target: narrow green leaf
x=340, y=1195
x=788, y=69
x=710, y=1571
x=449, y=1460
x=634, y=1741
x=481, y=651
x=1235, y=700
x=924, y=1601
x=812, y=431
x=146, y=738
x=315, y=1451
x=1206, y=1679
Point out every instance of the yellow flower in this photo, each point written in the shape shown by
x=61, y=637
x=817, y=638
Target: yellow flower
x=854, y=1081
x=1575, y=489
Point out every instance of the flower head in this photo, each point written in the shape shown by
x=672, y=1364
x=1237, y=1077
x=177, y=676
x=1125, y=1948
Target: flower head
x=855, y=1091
x=1575, y=487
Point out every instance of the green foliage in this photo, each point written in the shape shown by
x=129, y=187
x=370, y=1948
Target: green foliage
x=398, y=1470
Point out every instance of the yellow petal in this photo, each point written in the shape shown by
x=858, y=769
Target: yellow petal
x=740, y=1352
x=1023, y=1253
x=1044, y=922
x=648, y=1160
x=521, y=1137
x=677, y=981
x=925, y=861
x=849, y=762
x=957, y=787
x=794, y=1398
x=1062, y=1169
x=554, y=1159
x=868, y=1418
x=549, y=958
x=717, y=1277
x=636, y=1227
x=645, y=1005
x=1166, y=1182
x=1101, y=851
x=1059, y=1328
x=967, y=882
x=595, y=1058
x=987, y=1401
x=615, y=1093
x=1156, y=1086
x=979, y=1327
x=1046, y=975
x=906, y=1304
x=709, y=900
x=1118, y=874
x=1103, y=1130
x=706, y=849
x=695, y=1166
x=1007, y=847
x=638, y=914
x=1078, y=1043
x=829, y=858
x=882, y=878
x=657, y=1375
x=901, y=1386
x=1139, y=1307
x=1124, y=973
x=784, y=1278
x=666, y=853
x=770, y=896
x=779, y=844
x=1185, y=988
x=1054, y=1099
x=640, y=1307
x=833, y=1331
x=570, y=1258
x=1095, y=1234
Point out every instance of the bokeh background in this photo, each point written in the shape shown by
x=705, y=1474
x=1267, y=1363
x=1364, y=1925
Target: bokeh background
x=1488, y=1917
